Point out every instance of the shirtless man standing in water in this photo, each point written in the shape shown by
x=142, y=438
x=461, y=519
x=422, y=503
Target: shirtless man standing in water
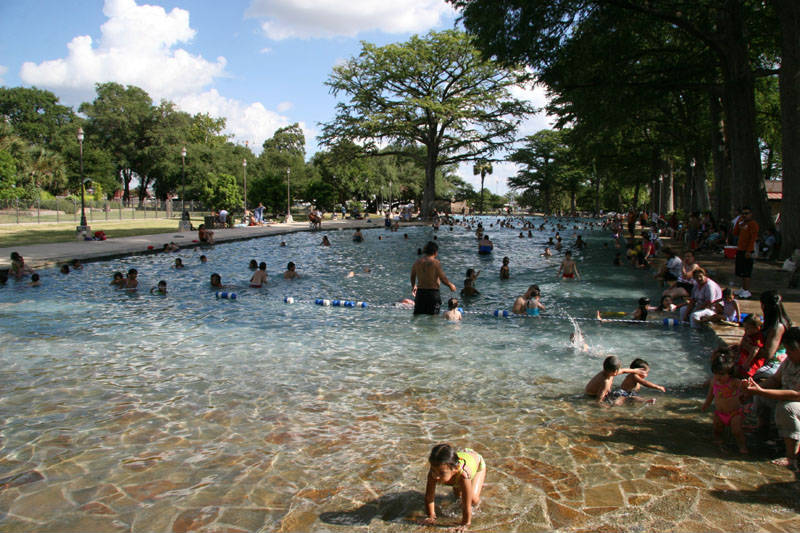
x=428, y=271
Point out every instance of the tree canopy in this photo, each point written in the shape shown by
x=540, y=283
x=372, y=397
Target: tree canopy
x=434, y=92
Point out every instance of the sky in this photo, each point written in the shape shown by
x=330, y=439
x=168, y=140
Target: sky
x=261, y=64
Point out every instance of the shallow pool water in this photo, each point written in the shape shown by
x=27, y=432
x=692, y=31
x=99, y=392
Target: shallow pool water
x=186, y=412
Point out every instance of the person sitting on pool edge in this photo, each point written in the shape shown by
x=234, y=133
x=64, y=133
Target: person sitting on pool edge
x=204, y=235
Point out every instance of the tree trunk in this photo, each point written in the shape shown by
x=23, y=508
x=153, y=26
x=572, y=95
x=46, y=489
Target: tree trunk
x=789, y=15
x=740, y=113
x=702, y=200
x=429, y=193
x=723, y=203
x=126, y=194
x=669, y=189
x=636, y=194
x=482, y=176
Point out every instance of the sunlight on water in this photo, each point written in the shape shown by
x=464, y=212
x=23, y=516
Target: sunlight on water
x=304, y=414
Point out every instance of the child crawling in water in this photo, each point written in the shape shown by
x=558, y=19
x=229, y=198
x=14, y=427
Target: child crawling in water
x=600, y=386
x=629, y=390
x=463, y=470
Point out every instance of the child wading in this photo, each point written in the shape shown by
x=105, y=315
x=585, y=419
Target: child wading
x=464, y=470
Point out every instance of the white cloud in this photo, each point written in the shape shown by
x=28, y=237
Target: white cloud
x=137, y=47
x=283, y=107
x=265, y=50
x=247, y=122
x=3, y=70
x=330, y=18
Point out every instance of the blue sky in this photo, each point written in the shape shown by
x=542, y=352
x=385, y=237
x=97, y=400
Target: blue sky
x=261, y=64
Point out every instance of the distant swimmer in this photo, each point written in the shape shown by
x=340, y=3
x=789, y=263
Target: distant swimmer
x=485, y=246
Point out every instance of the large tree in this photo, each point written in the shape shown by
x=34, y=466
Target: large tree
x=735, y=34
x=434, y=91
x=119, y=120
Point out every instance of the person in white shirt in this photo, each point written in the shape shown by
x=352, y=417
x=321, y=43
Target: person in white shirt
x=705, y=292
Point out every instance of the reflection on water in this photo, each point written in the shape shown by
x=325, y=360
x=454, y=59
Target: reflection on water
x=187, y=412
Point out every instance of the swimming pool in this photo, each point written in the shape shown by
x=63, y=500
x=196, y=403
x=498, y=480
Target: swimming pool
x=187, y=411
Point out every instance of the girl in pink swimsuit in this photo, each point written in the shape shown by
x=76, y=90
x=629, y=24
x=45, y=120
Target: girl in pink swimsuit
x=726, y=392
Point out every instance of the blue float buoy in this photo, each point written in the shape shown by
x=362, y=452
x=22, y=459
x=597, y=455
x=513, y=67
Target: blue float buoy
x=226, y=295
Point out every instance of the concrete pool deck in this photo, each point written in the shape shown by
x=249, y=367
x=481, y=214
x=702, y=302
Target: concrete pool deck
x=50, y=254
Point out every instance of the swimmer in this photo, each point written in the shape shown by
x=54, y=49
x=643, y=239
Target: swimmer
x=216, y=281
x=131, y=282
x=568, y=268
x=283, y=244
x=253, y=264
x=65, y=269
x=452, y=312
x=325, y=241
x=505, y=272
x=35, y=281
x=290, y=273
x=546, y=253
x=578, y=342
x=358, y=236
x=160, y=289
x=600, y=385
x=469, y=288
x=259, y=276
x=528, y=303
x=118, y=281
x=464, y=470
x=76, y=264
x=485, y=246
x=405, y=303
x=203, y=259
x=178, y=262
x=629, y=390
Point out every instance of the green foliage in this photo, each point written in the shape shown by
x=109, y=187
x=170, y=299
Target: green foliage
x=35, y=114
x=434, y=92
x=8, y=175
x=221, y=191
x=322, y=194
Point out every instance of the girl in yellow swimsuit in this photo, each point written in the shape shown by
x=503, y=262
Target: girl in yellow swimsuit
x=464, y=470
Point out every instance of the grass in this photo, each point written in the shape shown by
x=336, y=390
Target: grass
x=24, y=234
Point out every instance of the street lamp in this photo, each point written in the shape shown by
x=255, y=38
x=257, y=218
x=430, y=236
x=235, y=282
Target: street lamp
x=185, y=215
x=390, y=196
x=244, y=171
x=83, y=226
x=288, y=202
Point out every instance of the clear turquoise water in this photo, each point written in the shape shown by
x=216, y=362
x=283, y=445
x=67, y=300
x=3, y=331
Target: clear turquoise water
x=300, y=396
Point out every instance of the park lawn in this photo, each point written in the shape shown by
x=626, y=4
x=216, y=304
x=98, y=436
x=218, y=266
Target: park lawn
x=24, y=234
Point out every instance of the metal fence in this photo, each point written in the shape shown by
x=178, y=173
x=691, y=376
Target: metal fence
x=23, y=211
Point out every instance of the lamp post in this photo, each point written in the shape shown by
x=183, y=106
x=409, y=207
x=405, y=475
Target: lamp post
x=244, y=172
x=83, y=227
x=185, y=215
x=390, y=196
x=288, y=201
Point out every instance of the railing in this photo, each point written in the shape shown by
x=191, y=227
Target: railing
x=55, y=210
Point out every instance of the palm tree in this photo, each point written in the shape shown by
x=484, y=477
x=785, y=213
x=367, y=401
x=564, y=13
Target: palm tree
x=482, y=167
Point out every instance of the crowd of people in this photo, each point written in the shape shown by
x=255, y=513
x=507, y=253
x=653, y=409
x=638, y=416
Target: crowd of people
x=756, y=378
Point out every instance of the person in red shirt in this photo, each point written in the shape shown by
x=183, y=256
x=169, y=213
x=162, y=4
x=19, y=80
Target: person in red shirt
x=747, y=230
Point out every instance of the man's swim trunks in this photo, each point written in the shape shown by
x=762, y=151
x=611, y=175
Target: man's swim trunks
x=427, y=302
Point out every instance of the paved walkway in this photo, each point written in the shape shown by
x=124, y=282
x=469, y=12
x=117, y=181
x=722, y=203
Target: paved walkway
x=46, y=255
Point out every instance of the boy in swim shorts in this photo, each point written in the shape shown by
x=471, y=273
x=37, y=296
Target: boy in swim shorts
x=568, y=268
x=629, y=390
x=600, y=385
